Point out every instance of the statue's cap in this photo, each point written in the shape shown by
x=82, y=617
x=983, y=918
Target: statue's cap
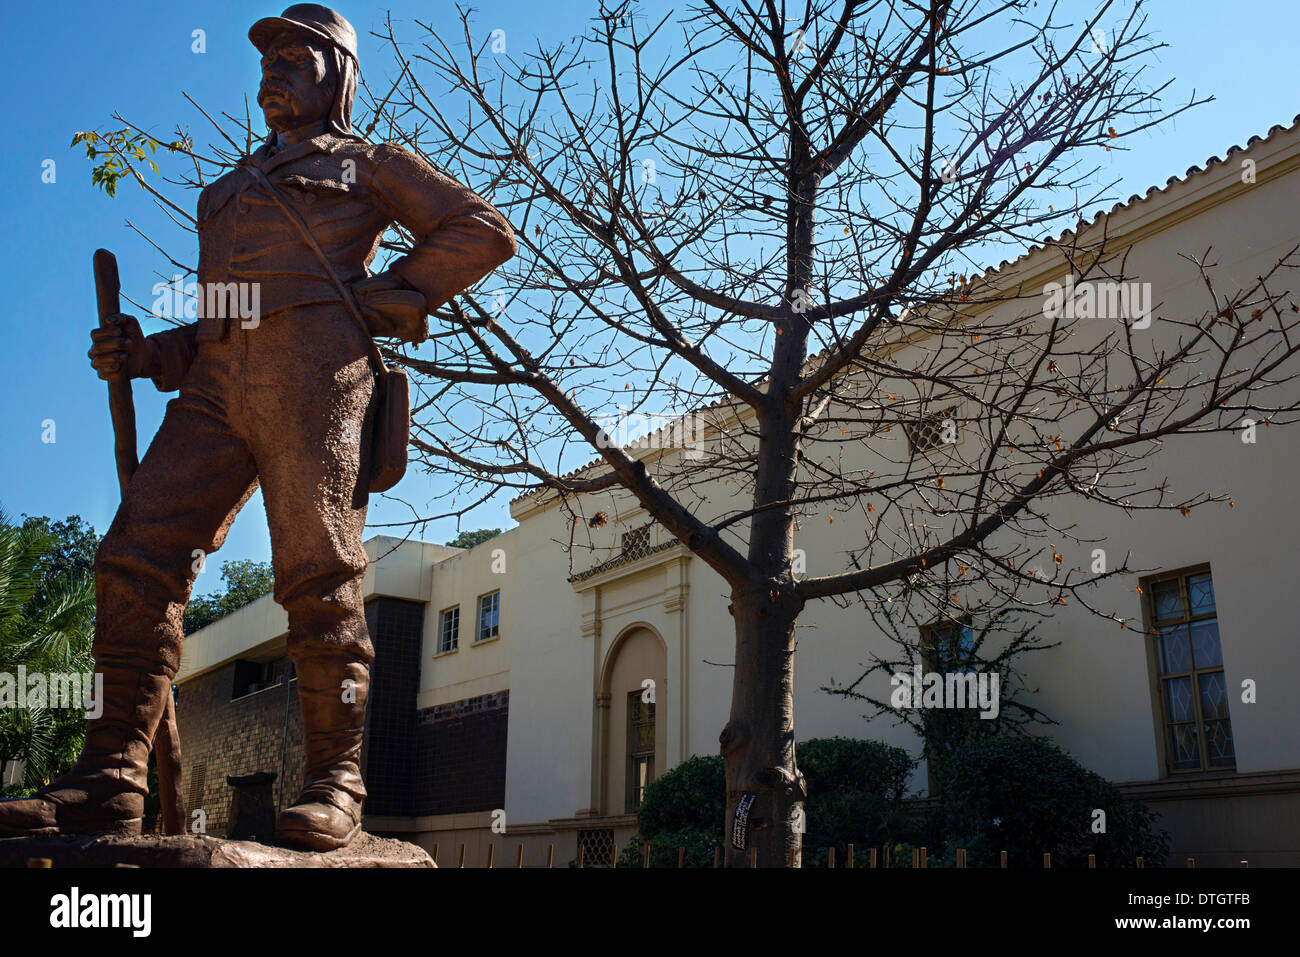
x=319, y=22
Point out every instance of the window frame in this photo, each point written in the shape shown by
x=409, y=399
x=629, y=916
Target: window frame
x=443, y=618
x=632, y=793
x=928, y=649
x=271, y=673
x=1159, y=706
x=479, y=637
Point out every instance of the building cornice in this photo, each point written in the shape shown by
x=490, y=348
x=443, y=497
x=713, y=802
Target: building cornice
x=1214, y=785
x=618, y=568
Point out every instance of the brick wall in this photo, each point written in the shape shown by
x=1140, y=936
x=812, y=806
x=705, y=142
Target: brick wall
x=221, y=738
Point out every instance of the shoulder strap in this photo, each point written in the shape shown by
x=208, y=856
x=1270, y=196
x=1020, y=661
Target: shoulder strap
x=348, y=299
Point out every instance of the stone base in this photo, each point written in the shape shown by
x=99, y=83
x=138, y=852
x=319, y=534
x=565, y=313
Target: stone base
x=106, y=850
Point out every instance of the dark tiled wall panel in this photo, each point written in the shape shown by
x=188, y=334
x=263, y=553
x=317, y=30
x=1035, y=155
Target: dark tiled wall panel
x=461, y=756
x=395, y=630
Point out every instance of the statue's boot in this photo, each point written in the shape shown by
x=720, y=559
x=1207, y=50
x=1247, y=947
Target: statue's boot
x=105, y=789
x=332, y=690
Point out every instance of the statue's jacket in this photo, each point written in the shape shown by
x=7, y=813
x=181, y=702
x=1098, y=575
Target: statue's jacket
x=347, y=193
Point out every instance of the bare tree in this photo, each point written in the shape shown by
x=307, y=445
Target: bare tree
x=976, y=642
x=774, y=219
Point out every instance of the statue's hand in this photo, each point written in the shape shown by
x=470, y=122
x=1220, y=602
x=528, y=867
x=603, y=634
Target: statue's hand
x=391, y=308
x=380, y=282
x=121, y=348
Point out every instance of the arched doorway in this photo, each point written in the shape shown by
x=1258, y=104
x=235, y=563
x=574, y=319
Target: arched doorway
x=634, y=689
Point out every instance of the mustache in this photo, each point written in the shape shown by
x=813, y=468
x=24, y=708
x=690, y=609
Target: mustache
x=273, y=86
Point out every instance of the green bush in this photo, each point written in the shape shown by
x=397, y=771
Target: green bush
x=1026, y=796
x=855, y=791
x=855, y=796
x=691, y=795
x=839, y=764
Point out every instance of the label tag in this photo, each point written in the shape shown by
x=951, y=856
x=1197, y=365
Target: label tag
x=741, y=820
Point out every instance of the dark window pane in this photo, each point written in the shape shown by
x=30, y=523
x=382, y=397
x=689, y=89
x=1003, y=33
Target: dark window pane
x=954, y=647
x=965, y=650
x=1178, y=699
x=1214, y=696
x=1183, y=752
x=1175, y=655
x=489, y=612
x=1205, y=644
x=1168, y=600
x=1200, y=594
x=1218, y=742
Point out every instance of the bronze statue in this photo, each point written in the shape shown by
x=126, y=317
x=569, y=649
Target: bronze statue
x=284, y=400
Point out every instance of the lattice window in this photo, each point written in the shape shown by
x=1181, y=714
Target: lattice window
x=636, y=543
x=198, y=782
x=597, y=846
x=1189, y=665
x=932, y=431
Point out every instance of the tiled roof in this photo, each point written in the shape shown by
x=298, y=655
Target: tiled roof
x=1134, y=199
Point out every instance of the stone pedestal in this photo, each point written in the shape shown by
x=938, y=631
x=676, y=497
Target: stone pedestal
x=72, y=850
x=252, y=808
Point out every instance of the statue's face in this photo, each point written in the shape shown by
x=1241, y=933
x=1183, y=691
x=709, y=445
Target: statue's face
x=297, y=83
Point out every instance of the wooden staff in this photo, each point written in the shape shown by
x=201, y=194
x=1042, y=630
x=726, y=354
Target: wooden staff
x=121, y=407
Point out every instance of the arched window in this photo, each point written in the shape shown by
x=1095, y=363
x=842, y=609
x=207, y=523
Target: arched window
x=640, y=748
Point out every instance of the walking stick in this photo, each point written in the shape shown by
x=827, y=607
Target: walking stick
x=166, y=742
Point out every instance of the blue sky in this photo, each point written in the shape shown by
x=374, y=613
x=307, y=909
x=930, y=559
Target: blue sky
x=69, y=66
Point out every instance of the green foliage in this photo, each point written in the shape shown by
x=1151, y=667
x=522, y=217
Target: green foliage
x=112, y=154
x=691, y=795
x=476, y=537
x=74, y=546
x=245, y=581
x=855, y=794
x=47, y=610
x=1026, y=796
x=846, y=764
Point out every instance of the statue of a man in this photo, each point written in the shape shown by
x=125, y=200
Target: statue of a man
x=284, y=401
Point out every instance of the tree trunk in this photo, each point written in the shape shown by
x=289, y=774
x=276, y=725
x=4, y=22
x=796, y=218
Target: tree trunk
x=758, y=741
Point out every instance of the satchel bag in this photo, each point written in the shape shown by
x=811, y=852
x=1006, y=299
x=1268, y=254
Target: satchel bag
x=391, y=427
